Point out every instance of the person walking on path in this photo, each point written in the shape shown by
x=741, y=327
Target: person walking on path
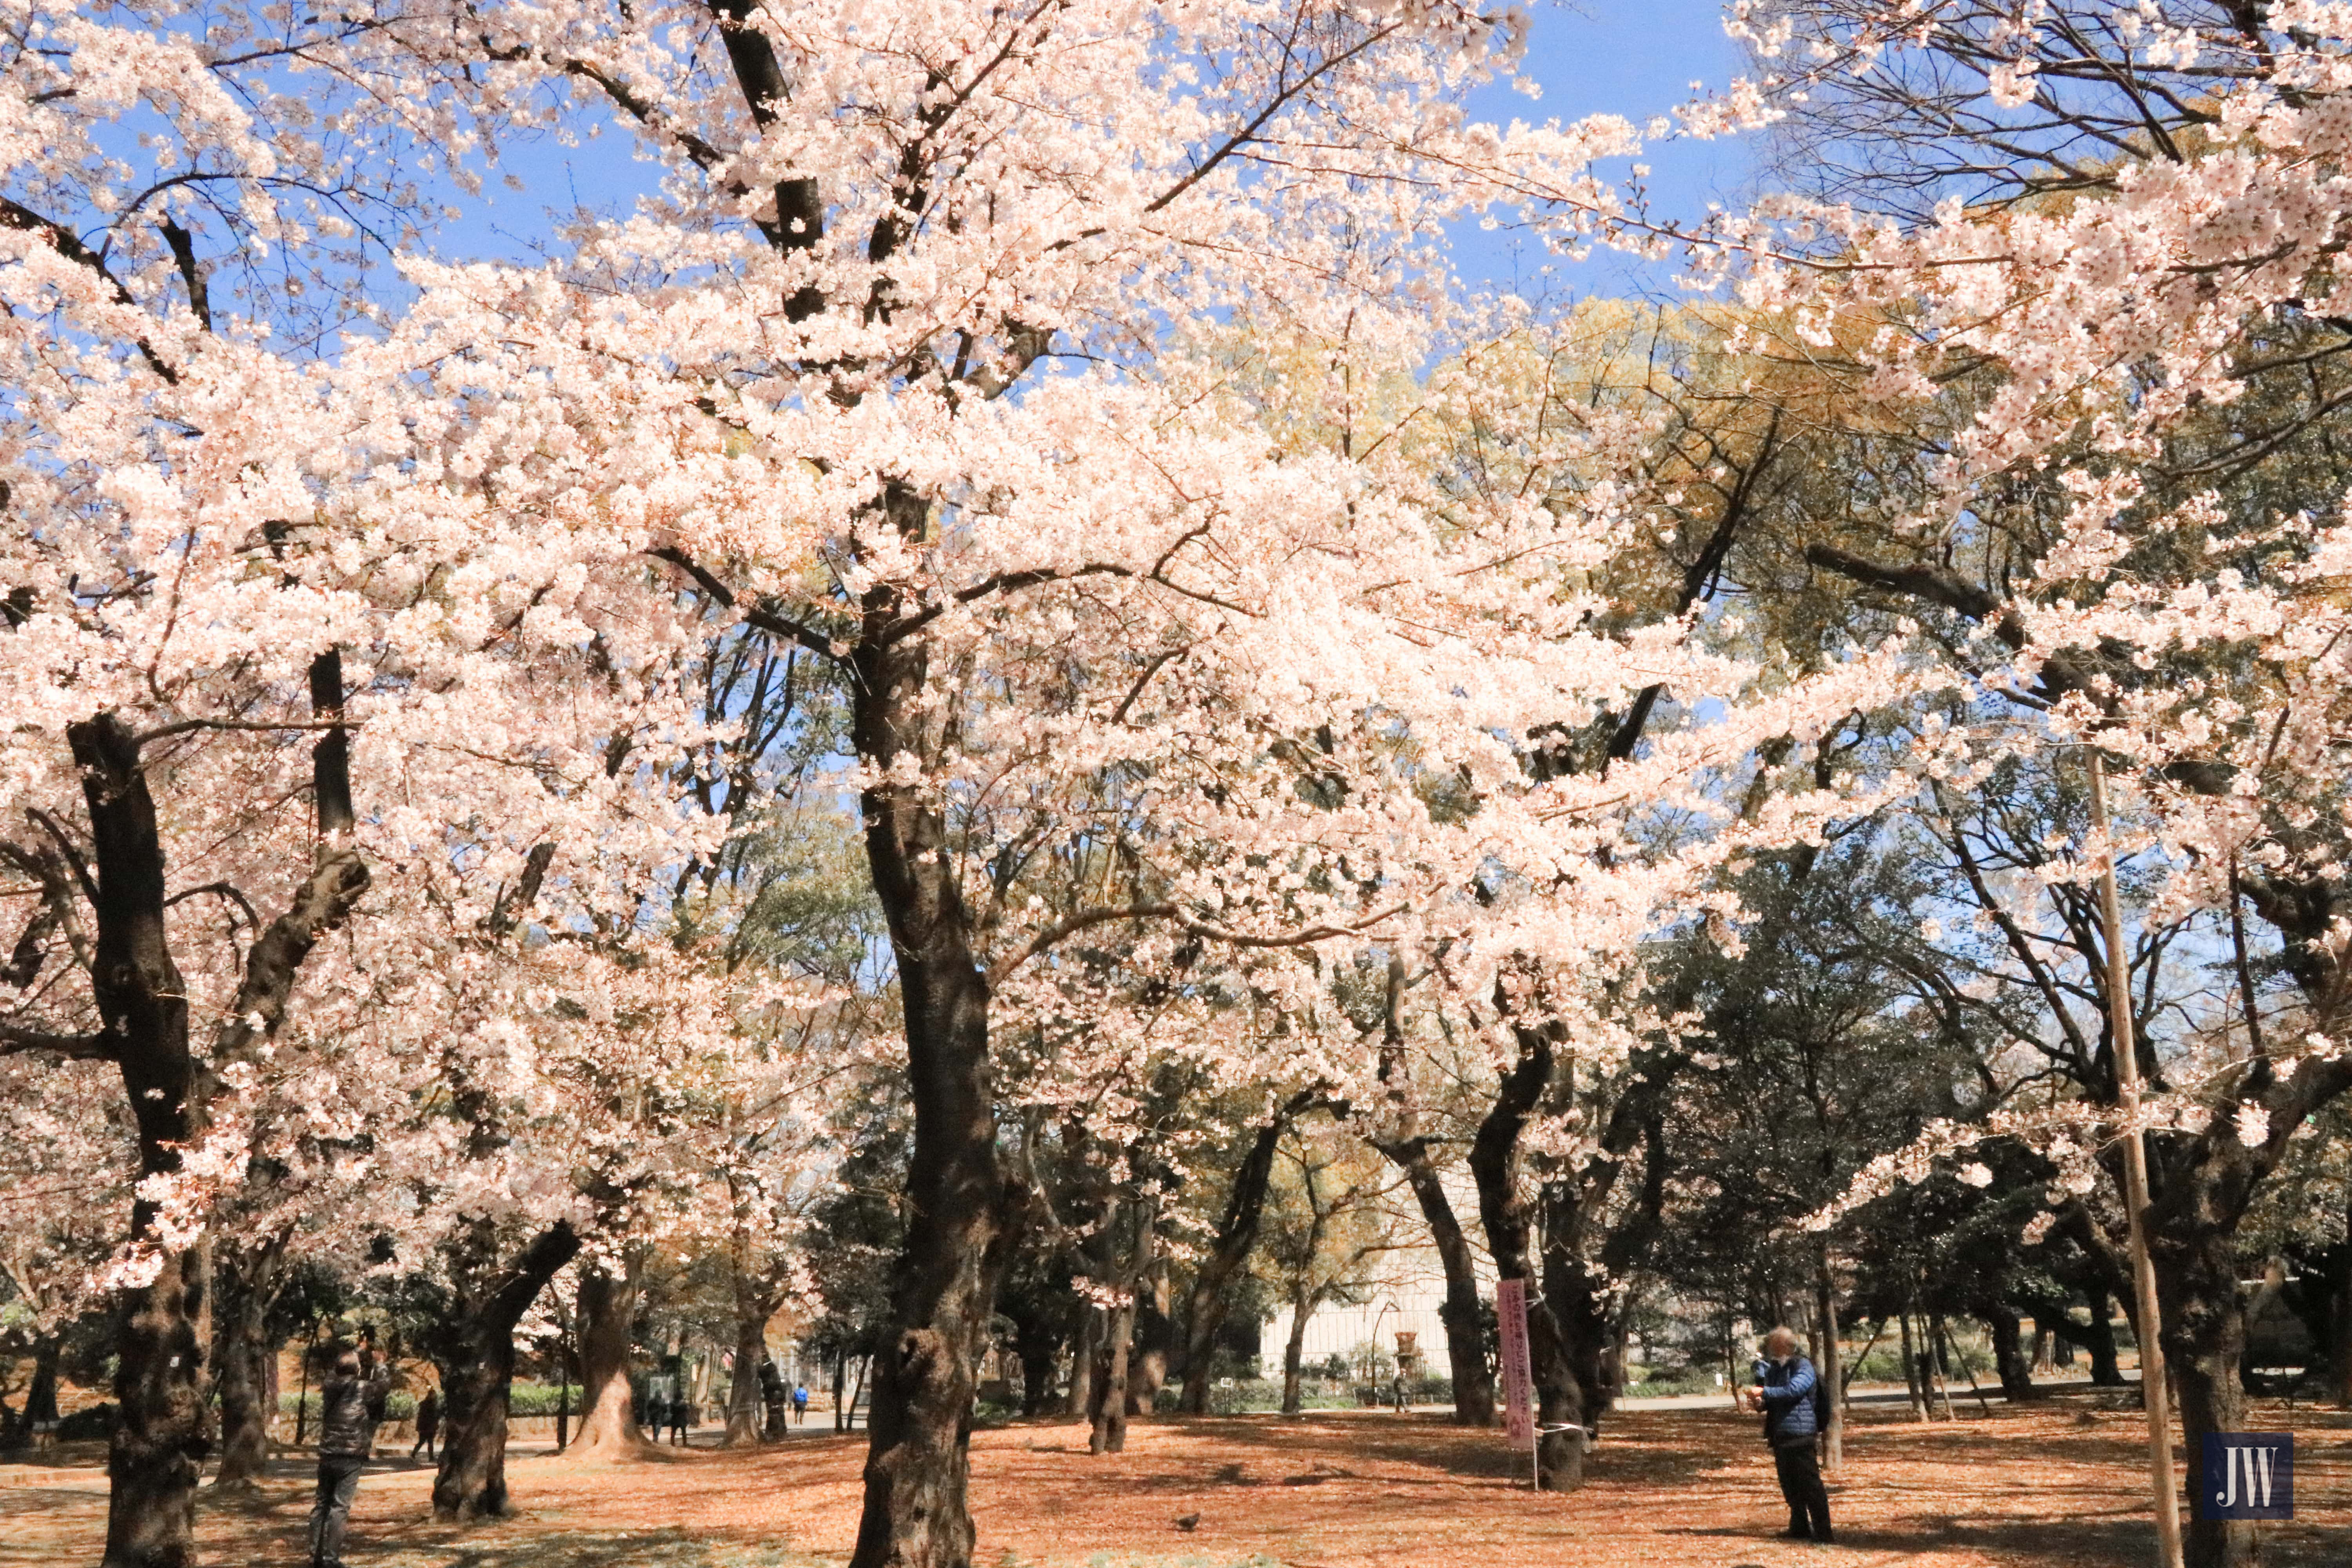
x=678, y=1412
x=800, y=1404
x=349, y=1405
x=1791, y=1395
x=428, y=1424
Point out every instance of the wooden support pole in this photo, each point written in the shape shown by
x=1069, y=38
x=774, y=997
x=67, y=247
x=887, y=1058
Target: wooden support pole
x=2127, y=1090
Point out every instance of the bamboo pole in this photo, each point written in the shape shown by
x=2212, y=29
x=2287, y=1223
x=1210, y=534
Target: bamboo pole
x=2126, y=1053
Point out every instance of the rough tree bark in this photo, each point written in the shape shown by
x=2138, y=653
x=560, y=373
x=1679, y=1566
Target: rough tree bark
x=1108, y=1433
x=242, y=1354
x=1154, y=1333
x=961, y=1205
x=2010, y=1361
x=1236, y=1237
x=1585, y=1308
x=1829, y=1360
x=1465, y=1337
x=608, y=1420
x=474, y=1348
x=163, y=1327
x=2097, y=1339
x=746, y=1400
x=1494, y=1157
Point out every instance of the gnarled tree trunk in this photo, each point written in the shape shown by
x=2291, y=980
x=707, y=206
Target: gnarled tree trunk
x=1493, y=1164
x=1466, y=1339
x=162, y=1328
x=1154, y=1332
x=960, y=1205
x=747, y=1395
x=2010, y=1361
x=2098, y=1341
x=475, y=1352
x=608, y=1421
x=242, y=1354
x=1204, y=1305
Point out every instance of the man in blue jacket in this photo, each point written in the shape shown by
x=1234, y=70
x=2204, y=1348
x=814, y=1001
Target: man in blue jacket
x=1787, y=1390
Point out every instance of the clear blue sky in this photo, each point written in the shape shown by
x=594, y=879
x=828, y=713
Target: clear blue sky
x=1602, y=57
x=1638, y=58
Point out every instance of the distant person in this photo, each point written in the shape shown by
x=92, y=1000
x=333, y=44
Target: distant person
x=800, y=1404
x=428, y=1424
x=678, y=1412
x=1794, y=1402
x=349, y=1405
x=1397, y=1393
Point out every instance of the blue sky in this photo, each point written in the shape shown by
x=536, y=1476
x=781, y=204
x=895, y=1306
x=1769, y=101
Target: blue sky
x=1634, y=60
x=1638, y=60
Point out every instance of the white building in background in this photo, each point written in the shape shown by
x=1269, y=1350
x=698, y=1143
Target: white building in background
x=1406, y=1293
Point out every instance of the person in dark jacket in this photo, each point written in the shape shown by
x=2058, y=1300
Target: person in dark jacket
x=428, y=1424
x=1785, y=1389
x=349, y=1405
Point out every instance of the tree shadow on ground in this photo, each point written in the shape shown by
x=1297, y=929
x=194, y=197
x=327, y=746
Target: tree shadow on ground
x=1637, y=1448
x=588, y=1548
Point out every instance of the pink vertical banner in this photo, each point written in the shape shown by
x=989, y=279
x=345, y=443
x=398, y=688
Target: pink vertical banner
x=1518, y=1384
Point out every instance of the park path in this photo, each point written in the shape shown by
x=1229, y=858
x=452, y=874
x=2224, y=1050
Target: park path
x=2051, y=1485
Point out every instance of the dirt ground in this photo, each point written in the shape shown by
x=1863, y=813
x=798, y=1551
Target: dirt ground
x=2049, y=1484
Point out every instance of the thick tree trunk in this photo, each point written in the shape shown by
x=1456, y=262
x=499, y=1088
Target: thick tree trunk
x=2010, y=1360
x=2098, y=1340
x=1466, y=1339
x=608, y=1421
x=1154, y=1333
x=1938, y=1371
x=162, y=1328
x=1495, y=1159
x=1037, y=1339
x=475, y=1352
x=1205, y=1306
x=1107, y=1421
x=746, y=1398
x=1085, y=1351
x=244, y=1355
x=2204, y=1339
x=961, y=1208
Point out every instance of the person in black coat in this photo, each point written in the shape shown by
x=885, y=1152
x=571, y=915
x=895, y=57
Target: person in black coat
x=428, y=1424
x=1789, y=1392
x=349, y=1405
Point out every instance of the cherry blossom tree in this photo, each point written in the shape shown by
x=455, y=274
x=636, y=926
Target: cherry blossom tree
x=2105, y=252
